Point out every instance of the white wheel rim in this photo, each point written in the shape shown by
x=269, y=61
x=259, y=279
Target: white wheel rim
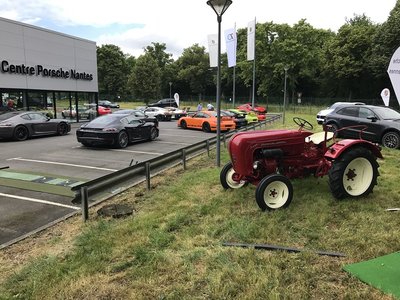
x=232, y=183
x=276, y=194
x=358, y=176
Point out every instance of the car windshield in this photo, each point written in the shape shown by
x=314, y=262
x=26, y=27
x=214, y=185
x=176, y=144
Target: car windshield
x=387, y=113
x=106, y=119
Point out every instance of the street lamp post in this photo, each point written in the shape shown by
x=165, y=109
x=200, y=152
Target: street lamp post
x=284, y=95
x=170, y=85
x=219, y=7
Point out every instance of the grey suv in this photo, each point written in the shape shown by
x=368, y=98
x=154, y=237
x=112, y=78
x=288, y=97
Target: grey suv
x=377, y=124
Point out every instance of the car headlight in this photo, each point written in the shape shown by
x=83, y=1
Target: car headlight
x=256, y=165
x=5, y=125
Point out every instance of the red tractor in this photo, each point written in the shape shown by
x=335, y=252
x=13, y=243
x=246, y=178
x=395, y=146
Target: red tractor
x=270, y=158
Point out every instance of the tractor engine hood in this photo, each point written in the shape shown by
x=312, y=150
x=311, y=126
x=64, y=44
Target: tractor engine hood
x=243, y=145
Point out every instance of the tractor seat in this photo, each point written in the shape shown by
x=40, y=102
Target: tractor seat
x=319, y=137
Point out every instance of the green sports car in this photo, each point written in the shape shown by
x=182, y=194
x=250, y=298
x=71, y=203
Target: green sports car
x=250, y=116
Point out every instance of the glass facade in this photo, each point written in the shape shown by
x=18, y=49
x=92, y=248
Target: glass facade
x=74, y=106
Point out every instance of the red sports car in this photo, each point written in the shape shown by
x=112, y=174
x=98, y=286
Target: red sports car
x=256, y=108
x=103, y=110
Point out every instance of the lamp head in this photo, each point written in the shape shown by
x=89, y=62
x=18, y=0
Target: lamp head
x=219, y=6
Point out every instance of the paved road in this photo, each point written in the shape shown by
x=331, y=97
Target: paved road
x=34, y=190
x=64, y=156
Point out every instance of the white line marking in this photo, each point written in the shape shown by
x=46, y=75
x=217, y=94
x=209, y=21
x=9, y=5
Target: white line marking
x=141, y=152
x=39, y=201
x=173, y=143
x=62, y=164
x=188, y=136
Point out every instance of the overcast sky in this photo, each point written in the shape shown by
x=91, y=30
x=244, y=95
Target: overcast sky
x=133, y=25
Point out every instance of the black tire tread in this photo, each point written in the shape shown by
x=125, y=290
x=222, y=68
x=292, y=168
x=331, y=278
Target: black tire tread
x=338, y=166
x=264, y=183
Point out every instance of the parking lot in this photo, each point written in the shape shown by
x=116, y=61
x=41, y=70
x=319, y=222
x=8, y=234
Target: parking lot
x=35, y=188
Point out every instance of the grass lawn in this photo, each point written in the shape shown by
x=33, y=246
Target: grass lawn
x=171, y=247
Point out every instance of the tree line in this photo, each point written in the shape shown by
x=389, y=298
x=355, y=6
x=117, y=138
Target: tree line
x=321, y=64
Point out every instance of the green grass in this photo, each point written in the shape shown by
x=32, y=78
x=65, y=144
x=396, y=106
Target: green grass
x=171, y=248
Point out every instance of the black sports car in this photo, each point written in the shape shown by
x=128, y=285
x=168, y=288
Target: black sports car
x=240, y=119
x=167, y=102
x=138, y=114
x=373, y=123
x=108, y=104
x=20, y=126
x=116, y=130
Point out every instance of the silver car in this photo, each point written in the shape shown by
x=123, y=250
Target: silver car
x=23, y=125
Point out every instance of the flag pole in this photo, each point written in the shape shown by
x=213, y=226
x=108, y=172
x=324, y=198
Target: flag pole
x=254, y=66
x=234, y=74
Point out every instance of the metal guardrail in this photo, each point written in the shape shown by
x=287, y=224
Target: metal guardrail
x=125, y=178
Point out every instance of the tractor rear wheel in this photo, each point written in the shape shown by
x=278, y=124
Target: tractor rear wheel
x=228, y=178
x=354, y=174
x=273, y=192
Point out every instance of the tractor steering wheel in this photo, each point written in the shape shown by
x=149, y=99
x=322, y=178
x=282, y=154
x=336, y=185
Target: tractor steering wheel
x=303, y=123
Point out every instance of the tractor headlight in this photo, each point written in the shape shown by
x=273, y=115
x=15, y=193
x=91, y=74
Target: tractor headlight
x=256, y=165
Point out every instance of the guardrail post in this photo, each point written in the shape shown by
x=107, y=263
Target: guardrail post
x=208, y=148
x=85, y=203
x=184, y=158
x=147, y=166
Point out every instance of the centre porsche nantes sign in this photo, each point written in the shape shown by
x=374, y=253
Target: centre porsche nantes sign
x=39, y=70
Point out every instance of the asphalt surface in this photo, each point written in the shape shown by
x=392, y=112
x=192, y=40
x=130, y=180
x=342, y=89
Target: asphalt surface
x=35, y=188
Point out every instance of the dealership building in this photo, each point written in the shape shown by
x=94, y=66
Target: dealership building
x=46, y=70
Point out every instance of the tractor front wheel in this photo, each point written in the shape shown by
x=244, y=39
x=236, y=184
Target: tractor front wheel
x=354, y=174
x=273, y=192
x=229, y=178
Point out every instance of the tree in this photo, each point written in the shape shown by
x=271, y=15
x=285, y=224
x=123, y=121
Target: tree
x=278, y=46
x=112, y=71
x=386, y=42
x=194, y=72
x=164, y=61
x=348, y=56
x=145, y=79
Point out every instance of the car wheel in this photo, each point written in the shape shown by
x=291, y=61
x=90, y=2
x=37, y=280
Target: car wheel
x=354, y=173
x=62, y=129
x=332, y=127
x=21, y=133
x=206, y=127
x=391, y=140
x=122, y=139
x=183, y=124
x=229, y=178
x=274, y=191
x=153, y=133
x=159, y=117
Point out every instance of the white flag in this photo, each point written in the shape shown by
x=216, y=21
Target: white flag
x=176, y=97
x=394, y=73
x=213, y=49
x=385, y=94
x=231, y=45
x=251, y=38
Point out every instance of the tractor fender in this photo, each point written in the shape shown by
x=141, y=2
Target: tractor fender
x=338, y=148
